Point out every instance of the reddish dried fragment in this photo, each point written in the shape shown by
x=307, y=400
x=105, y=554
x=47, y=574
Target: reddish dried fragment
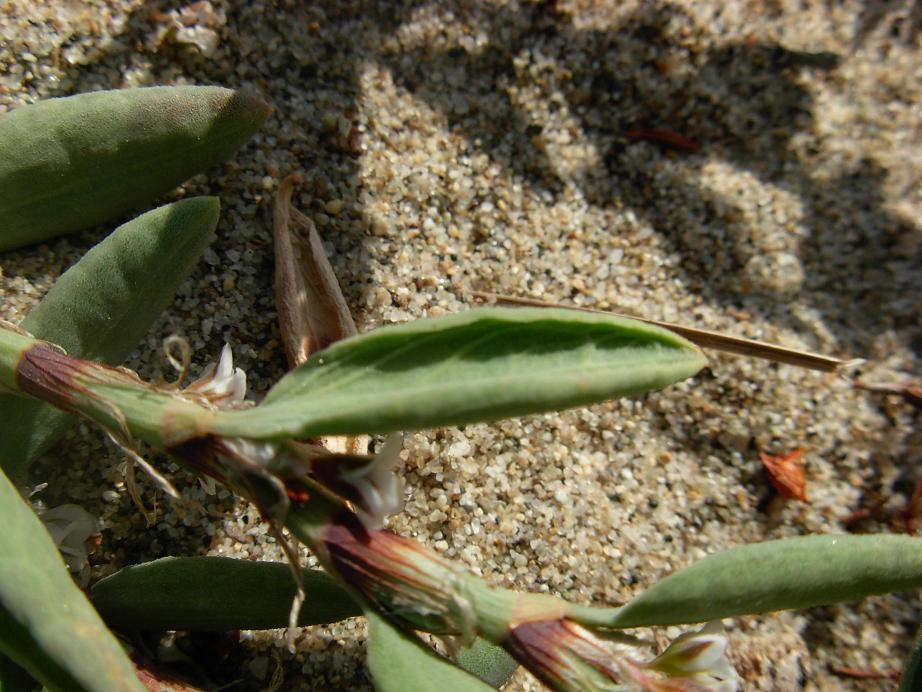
x=296, y=493
x=861, y=674
x=912, y=514
x=665, y=137
x=158, y=679
x=786, y=473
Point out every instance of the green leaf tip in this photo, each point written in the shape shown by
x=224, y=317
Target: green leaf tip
x=911, y=679
x=213, y=594
x=783, y=574
x=480, y=365
x=71, y=163
x=102, y=306
x=400, y=662
x=487, y=661
x=46, y=623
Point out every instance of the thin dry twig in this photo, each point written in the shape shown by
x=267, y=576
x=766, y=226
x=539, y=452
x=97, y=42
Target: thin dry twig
x=910, y=390
x=861, y=674
x=704, y=337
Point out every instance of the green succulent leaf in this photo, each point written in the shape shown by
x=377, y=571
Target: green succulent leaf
x=479, y=365
x=911, y=680
x=400, y=662
x=101, y=307
x=487, y=661
x=13, y=678
x=776, y=575
x=71, y=163
x=215, y=594
x=47, y=626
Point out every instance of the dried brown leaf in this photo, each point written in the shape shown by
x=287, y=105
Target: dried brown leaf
x=312, y=310
x=786, y=473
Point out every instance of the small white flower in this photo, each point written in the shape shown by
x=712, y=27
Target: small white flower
x=70, y=526
x=370, y=484
x=380, y=488
x=699, y=658
x=256, y=453
x=222, y=385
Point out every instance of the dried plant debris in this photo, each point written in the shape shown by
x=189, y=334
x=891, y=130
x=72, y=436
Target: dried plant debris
x=786, y=473
x=909, y=389
x=198, y=24
x=312, y=310
x=901, y=17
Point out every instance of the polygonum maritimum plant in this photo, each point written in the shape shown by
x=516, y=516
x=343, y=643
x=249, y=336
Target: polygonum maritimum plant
x=299, y=457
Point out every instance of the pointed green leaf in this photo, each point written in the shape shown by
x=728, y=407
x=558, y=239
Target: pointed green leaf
x=71, y=163
x=215, y=594
x=46, y=623
x=400, y=662
x=13, y=678
x=778, y=575
x=487, y=661
x=101, y=307
x=479, y=365
x=911, y=680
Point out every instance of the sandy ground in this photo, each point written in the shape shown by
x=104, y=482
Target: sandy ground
x=458, y=146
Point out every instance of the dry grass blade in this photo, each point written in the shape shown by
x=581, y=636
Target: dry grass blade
x=703, y=337
x=312, y=310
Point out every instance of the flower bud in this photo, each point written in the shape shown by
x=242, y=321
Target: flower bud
x=699, y=659
x=566, y=656
x=404, y=580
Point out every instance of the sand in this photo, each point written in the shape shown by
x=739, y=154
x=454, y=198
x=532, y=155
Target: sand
x=462, y=146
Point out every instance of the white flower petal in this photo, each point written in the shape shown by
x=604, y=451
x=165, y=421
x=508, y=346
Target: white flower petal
x=700, y=657
x=225, y=363
x=70, y=526
x=220, y=383
x=380, y=488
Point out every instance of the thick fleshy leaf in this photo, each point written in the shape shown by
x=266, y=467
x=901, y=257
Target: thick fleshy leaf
x=400, y=662
x=487, y=661
x=13, y=678
x=46, y=623
x=777, y=575
x=101, y=307
x=911, y=680
x=70, y=163
x=479, y=365
x=215, y=594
